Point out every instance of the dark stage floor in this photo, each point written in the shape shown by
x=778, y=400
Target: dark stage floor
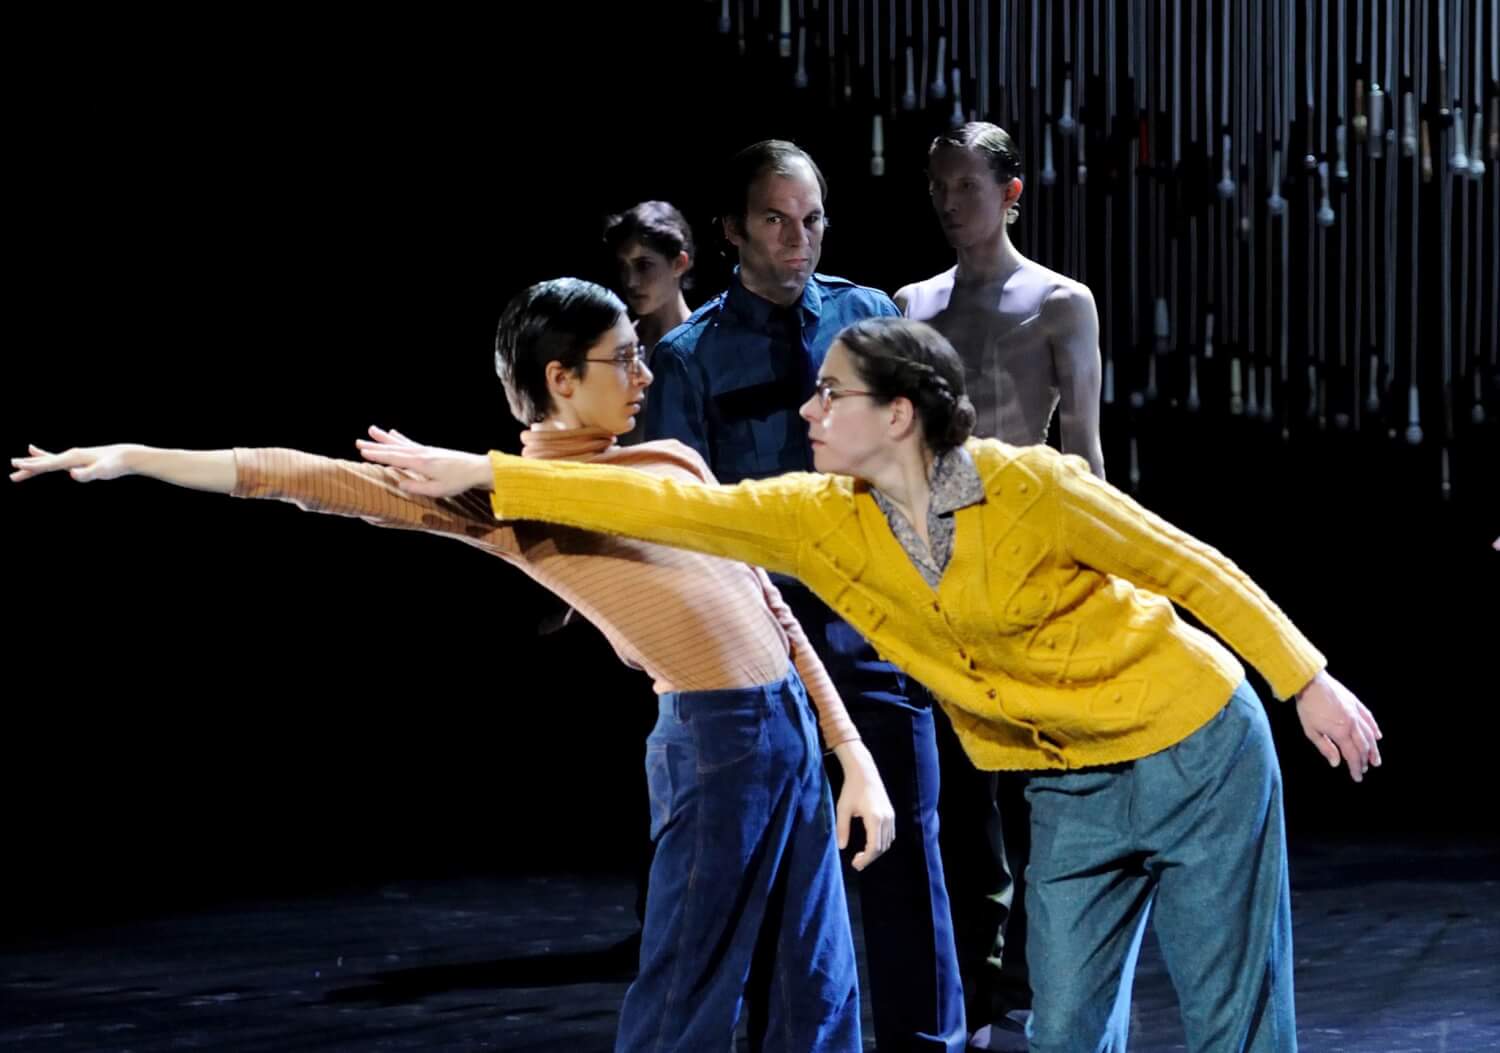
x=1398, y=949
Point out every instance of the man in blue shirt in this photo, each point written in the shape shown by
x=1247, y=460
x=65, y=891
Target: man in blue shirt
x=729, y=382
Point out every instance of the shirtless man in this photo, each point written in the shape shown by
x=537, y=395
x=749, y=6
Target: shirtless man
x=1029, y=340
x=1029, y=337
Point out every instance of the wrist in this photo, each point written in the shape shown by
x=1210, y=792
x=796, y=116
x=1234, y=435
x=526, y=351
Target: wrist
x=1317, y=677
x=852, y=755
x=136, y=460
x=483, y=477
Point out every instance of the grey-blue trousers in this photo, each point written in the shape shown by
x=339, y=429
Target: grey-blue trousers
x=1194, y=833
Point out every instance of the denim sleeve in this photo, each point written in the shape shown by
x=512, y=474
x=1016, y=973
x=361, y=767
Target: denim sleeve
x=882, y=306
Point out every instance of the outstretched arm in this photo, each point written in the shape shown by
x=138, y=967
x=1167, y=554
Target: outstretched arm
x=211, y=470
x=312, y=483
x=756, y=522
x=1104, y=529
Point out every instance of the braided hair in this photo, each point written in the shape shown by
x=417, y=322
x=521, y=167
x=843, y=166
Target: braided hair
x=901, y=358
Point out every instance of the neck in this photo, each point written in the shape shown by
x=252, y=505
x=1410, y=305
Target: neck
x=564, y=420
x=554, y=438
x=650, y=328
x=990, y=260
x=907, y=481
x=780, y=295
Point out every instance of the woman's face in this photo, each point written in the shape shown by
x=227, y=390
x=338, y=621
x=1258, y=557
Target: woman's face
x=649, y=280
x=850, y=431
x=611, y=390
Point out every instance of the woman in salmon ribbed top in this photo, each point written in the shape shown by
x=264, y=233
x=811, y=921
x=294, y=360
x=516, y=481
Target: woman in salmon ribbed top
x=746, y=902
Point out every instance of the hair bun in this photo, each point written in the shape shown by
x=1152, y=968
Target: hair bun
x=961, y=424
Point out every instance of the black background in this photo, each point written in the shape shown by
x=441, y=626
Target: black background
x=254, y=232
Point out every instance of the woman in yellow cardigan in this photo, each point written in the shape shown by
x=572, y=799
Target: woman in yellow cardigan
x=1036, y=602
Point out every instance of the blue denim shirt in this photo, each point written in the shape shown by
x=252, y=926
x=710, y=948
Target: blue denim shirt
x=730, y=380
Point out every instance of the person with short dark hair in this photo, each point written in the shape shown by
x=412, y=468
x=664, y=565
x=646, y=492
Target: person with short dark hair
x=747, y=900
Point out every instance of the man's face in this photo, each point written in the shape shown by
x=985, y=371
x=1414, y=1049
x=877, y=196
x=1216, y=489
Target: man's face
x=969, y=202
x=781, y=239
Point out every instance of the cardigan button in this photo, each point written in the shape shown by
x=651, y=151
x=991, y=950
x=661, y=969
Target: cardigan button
x=990, y=693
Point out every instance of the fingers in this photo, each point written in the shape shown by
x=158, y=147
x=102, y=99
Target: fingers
x=1325, y=746
x=1340, y=726
x=1355, y=753
x=390, y=437
x=1345, y=740
x=1356, y=737
x=395, y=456
x=1371, y=755
x=880, y=833
x=41, y=462
x=1366, y=721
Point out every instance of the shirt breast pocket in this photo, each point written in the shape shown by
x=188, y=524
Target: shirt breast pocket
x=751, y=428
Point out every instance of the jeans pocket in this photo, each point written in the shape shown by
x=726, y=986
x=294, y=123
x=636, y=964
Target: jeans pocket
x=659, y=786
x=726, y=737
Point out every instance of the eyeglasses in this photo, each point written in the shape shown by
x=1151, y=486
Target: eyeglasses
x=826, y=393
x=632, y=361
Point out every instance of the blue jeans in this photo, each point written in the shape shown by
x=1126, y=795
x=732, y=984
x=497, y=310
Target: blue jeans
x=981, y=856
x=1194, y=832
x=746, y=901
x=916, y=995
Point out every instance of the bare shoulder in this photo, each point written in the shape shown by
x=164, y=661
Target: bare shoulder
x=1068, y=303
x=926, y=298
x=1062, y=291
